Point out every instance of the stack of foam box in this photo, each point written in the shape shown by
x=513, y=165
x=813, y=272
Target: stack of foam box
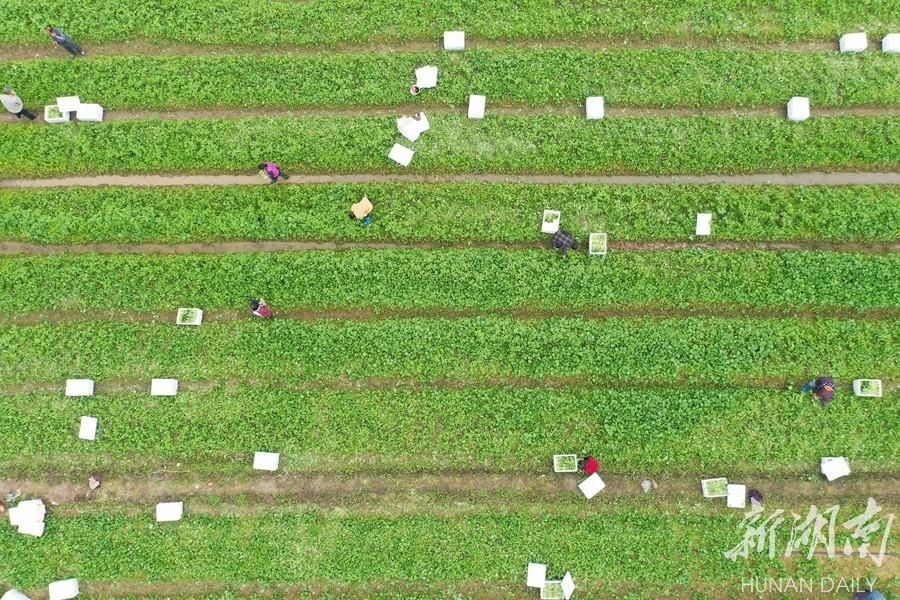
x=28, y=517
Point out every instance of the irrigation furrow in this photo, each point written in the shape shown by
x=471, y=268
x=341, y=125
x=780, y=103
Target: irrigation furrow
x=548, y=382
x=468, y=590
x=501, y=109
x=791, y=179
x=30, y=51
x=225, y=315
x=17, y=248
x=427, y=492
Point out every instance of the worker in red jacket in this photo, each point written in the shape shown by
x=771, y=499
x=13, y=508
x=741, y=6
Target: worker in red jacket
x=589, y=465
x=261, y=309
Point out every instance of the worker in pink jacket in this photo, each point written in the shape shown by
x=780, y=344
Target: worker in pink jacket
x=272, y=171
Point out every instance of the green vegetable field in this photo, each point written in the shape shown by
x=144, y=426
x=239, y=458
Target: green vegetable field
x=424, y=364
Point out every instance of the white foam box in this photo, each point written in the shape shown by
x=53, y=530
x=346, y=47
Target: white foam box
x=52, y=114
x=411, y=128
x=64, y=589
x=552, y=590
x=597, y=243
x=89, y=112
x=476, y=106
x=14, y=595
x=550, y=221
x=704, y=224
x=266, y=461
x=426, y=77
x=167, y=512
x=67, y=104
x=834, y=467
x=568, y=585
x=707, y=486
x=874, y=385
x=163, y=387
x=79, y=387
x=560, y=459
x=591, y=486
x=401, y=155
x=853, y=42
x=536, y=576
x=891, y=43
x=88, y=428
x=594, y=107
x=189, y=316
x=27, y=511
x=454, y=40
x=737, y=496
x=798, y=108
x=32, y=529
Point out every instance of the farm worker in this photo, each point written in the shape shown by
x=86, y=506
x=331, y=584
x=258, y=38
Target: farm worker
x=589, y=465
x=62, y=39
x=755, y=496
x=822, y=388
x=272, y=171
x=13, y=103
x=868, y=595
x=362, y=210
x=261, y=309
x=563, y=241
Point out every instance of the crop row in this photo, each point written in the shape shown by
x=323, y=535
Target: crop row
x=323, y=22
x=660, y=77
x=446, y=212
x=494, y=428
x=680, y=351
x=633, y=544
x=505, y=144
x=453, y=278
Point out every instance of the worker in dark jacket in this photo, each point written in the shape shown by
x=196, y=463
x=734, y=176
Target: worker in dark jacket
x=13, y=104
x=822, y=388
x=563, y=241
x=61, y=38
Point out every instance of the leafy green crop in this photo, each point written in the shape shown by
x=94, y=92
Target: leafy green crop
x=325, y=22
x=446, y=212
x=662, y=350
x=454, y=278
x=503, y=144
x=655, y=430
x=630, y=542
x=625, y=77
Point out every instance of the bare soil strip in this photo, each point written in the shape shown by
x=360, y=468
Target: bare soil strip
x=41, y=51
x=502, y=109
x=811, y=312
x=258, y=492
x=346, y=383
x=790, y=179
x=17, y=248
x=459, y=590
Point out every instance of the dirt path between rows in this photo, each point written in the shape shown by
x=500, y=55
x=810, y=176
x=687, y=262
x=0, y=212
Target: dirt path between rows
x=495, y=108
x=225, y=315
x=346, y=383
x=445, y=492
x=18, y=248
x=789, y=179
x=11, y=51
x=472, y=590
